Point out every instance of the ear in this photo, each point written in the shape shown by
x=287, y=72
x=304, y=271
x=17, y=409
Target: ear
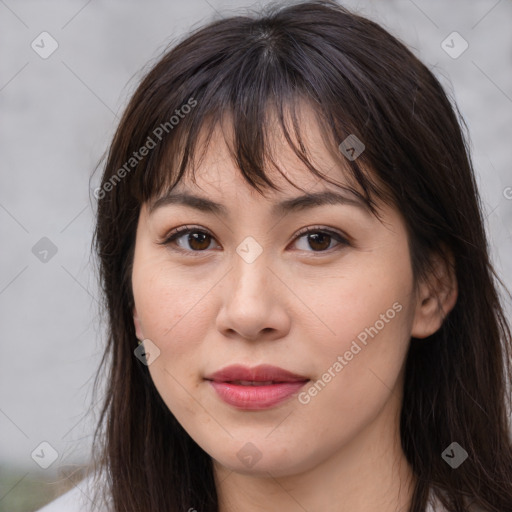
x=436, y=296
x=138, y=326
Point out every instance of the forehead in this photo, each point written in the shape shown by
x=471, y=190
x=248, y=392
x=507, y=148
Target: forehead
x=216, y=169
x=217, y=183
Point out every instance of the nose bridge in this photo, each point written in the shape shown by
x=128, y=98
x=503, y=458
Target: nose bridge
x=250, y=276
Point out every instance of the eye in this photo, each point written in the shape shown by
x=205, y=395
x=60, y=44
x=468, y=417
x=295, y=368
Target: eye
x=198, y=240
x=320, y=239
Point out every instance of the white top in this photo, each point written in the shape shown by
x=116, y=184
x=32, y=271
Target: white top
x=68, y=502
x=77, y=500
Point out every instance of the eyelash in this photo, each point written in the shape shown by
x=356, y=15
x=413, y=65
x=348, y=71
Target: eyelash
x=179, y=232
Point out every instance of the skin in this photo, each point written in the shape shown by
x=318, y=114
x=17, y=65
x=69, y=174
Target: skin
x=297, y=307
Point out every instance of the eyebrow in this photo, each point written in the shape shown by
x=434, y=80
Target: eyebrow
x=294, y=204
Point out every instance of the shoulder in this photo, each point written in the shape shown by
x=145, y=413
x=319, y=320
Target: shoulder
x=68, y=502
x=434, y=503
x=77, y=499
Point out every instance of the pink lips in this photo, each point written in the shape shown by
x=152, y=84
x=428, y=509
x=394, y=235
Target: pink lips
x=255, y=388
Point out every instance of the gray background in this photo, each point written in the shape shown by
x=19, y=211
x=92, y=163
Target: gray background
x=57, y=118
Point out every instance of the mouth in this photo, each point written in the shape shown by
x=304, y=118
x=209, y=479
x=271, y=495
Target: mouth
x=263, y=374
x=257, y=388
x=252, y=382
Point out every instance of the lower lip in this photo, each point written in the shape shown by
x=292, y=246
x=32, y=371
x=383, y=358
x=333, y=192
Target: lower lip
x=256, y=397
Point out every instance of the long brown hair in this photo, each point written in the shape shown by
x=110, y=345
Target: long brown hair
x=360, y=80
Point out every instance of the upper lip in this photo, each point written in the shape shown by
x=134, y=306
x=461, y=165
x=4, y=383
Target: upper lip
x=261, y=373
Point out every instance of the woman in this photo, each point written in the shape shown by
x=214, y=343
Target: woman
x=253, y=365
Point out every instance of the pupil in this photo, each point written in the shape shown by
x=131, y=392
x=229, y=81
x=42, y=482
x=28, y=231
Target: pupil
x=313, y=239
x=196, y=238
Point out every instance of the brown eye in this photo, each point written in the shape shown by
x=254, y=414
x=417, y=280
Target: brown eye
x=196, y=239
x=320, y=240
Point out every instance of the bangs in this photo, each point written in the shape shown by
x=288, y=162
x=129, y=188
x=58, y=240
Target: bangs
x=245, y=94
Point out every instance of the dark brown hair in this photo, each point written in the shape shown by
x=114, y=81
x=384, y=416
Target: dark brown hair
x=359, y=80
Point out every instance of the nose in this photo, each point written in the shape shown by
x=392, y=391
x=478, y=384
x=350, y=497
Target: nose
x=253, y=305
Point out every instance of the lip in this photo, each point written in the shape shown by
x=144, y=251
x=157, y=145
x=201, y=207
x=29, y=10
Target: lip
x=261, y=373
x=281, y=385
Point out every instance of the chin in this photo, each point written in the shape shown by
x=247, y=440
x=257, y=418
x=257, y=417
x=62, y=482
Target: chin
x=263, y=460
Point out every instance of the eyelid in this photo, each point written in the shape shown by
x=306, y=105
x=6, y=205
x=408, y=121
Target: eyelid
x=341, y=238
x=323, y=229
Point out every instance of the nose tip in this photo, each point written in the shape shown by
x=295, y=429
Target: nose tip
x=252, y=307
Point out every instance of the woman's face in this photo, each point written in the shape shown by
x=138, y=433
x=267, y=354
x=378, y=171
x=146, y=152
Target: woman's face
x=335, y=308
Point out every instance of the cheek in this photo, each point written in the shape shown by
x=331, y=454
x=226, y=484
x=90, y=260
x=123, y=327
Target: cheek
x=358, y=373
x=173, y=315
x=369, y=314
x=175, y=319
x=370, y=299
x=170, y=305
